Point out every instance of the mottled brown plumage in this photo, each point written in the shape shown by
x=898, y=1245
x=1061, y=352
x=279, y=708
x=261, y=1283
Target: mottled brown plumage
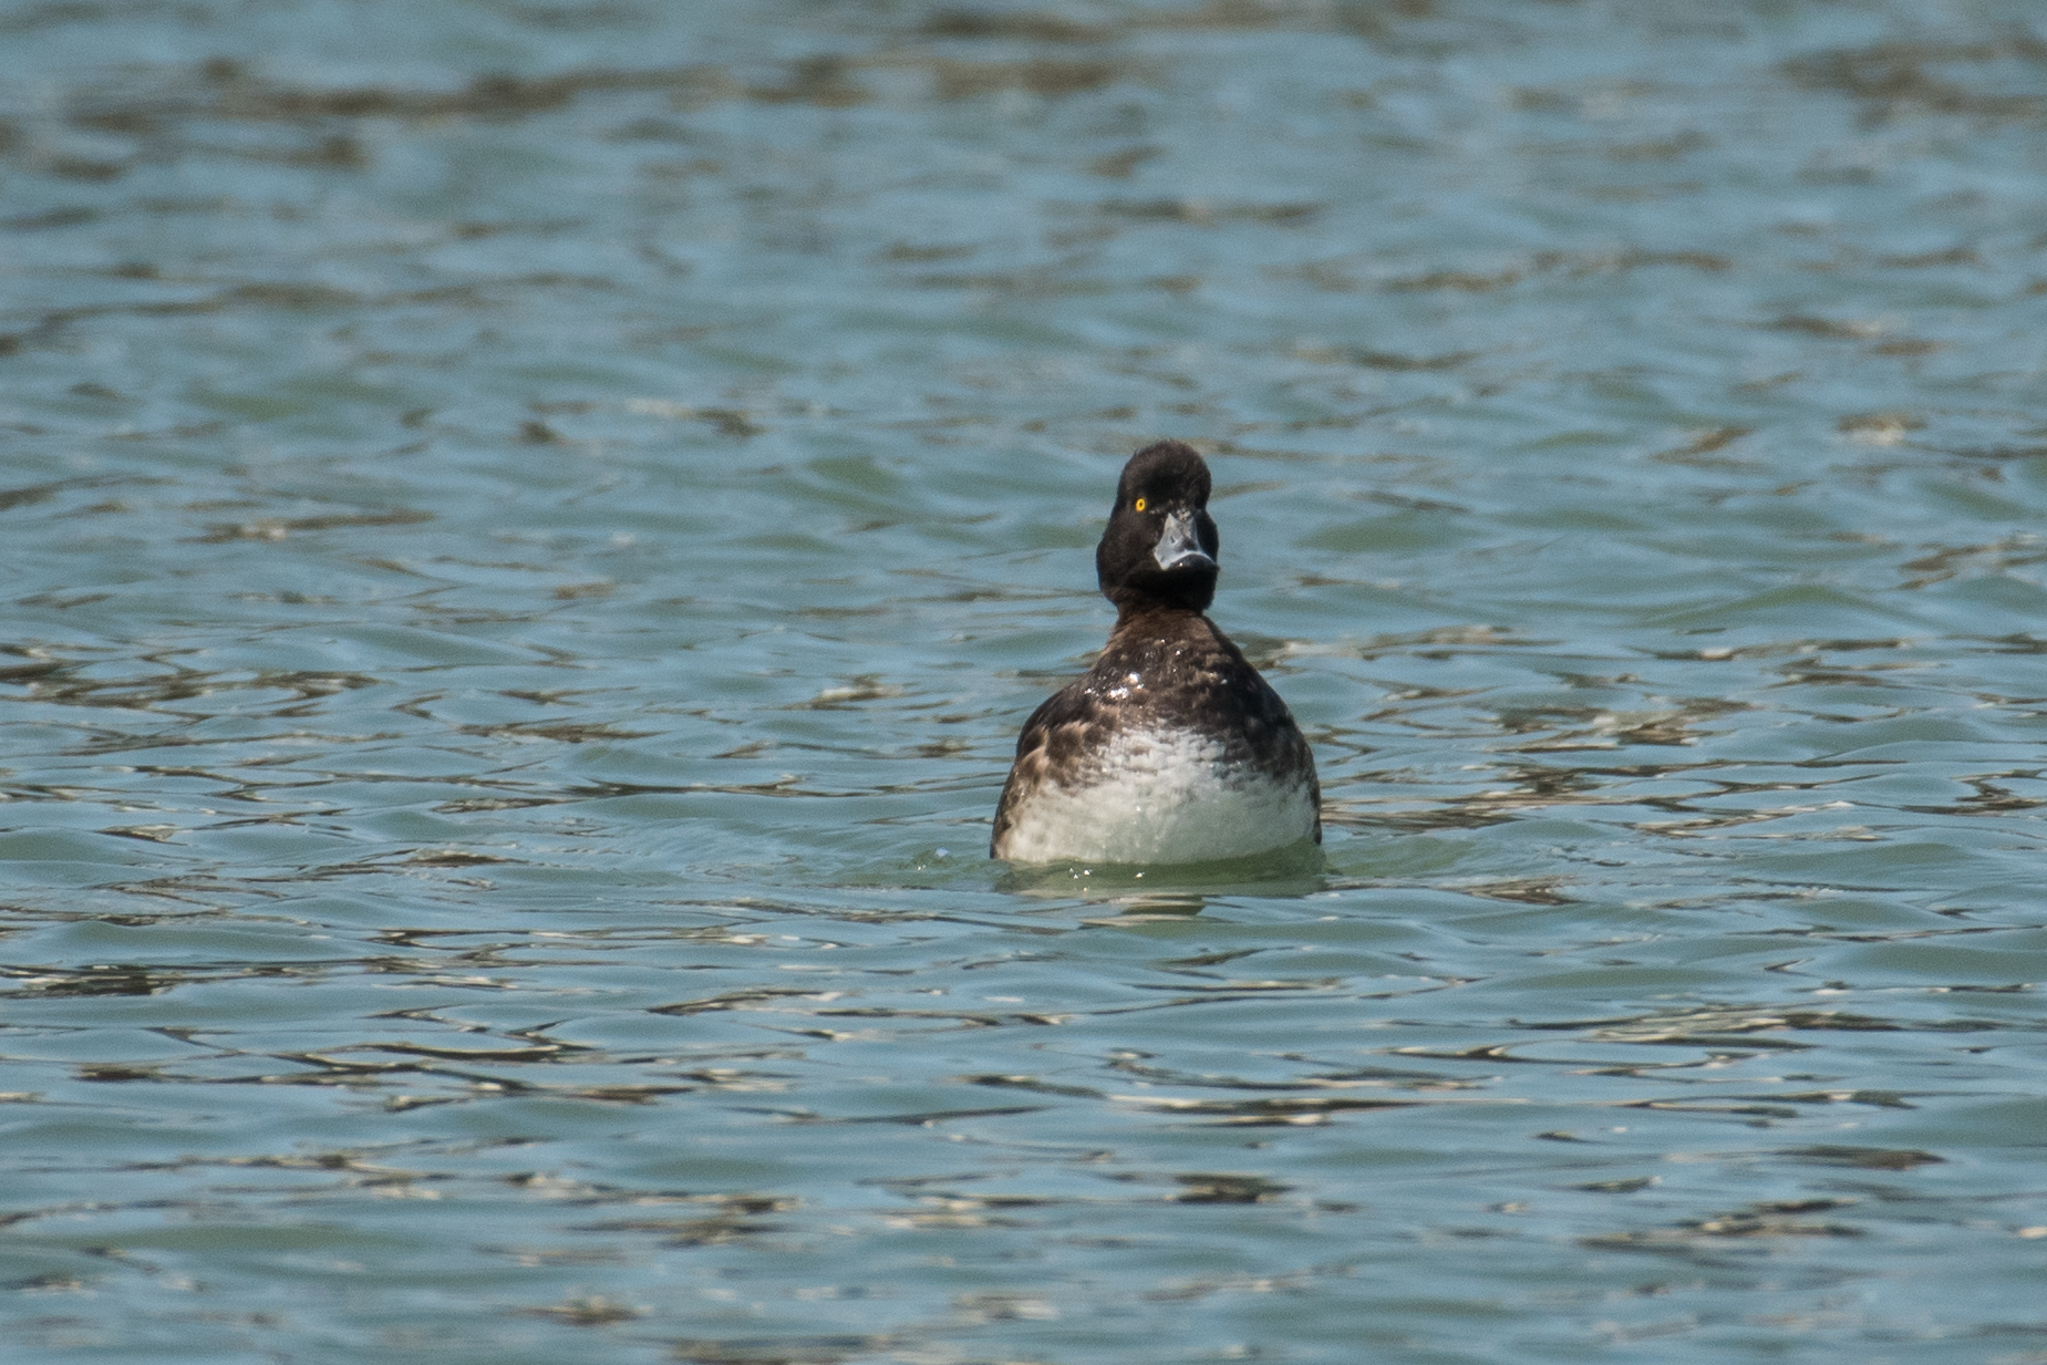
x=1187, y=671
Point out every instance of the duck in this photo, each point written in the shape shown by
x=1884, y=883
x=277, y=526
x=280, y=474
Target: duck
x=1171, y=749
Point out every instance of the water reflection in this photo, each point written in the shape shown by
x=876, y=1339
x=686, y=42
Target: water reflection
x=1286, y=873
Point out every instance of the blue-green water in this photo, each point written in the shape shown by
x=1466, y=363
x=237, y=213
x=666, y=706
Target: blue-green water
x=528, y=532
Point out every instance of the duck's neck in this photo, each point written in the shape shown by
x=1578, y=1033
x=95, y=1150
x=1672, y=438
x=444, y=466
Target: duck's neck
x=1150, y=616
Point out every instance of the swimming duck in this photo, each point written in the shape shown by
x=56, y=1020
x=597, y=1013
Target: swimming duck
x=1171, y=749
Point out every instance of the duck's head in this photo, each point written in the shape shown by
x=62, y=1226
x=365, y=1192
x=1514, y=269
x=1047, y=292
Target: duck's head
x=1160, y=545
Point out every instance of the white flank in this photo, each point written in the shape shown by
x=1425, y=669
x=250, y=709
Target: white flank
x=1160, y=797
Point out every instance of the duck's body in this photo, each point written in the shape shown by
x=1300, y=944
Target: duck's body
x=1171, y=749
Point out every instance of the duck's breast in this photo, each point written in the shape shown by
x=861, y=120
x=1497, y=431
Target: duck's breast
x=1158, y=795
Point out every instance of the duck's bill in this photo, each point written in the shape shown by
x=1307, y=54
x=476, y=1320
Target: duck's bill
x=1180, y=544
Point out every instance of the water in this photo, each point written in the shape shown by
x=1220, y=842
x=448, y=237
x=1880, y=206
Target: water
x=529, y=532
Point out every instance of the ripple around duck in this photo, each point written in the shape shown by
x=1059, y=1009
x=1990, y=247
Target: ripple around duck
x=528, y=537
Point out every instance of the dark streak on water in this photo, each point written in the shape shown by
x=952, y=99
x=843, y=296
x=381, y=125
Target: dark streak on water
x=528, y=531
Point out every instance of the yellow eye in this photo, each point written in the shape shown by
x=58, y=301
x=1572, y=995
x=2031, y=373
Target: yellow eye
x=1137, y=506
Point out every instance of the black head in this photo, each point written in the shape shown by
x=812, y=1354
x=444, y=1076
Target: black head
x=1160, y=546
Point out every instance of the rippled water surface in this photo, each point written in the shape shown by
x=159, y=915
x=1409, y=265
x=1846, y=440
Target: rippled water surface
x=528, y=531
